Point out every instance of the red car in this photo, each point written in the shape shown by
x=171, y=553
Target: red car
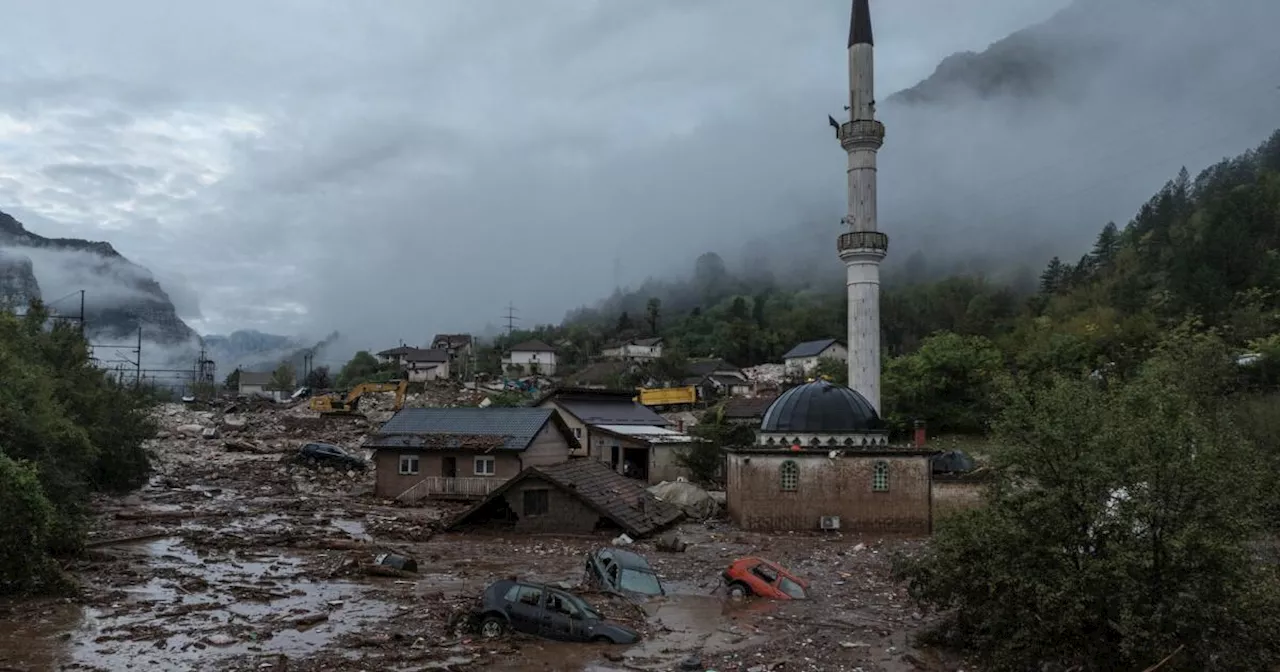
x=757, y=576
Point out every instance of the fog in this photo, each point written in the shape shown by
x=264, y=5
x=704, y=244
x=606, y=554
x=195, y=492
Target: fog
x=406, y=170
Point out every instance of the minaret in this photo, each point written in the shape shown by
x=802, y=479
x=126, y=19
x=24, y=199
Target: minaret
x=862, y=247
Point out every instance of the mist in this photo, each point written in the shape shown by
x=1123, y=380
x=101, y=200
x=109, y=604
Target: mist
x=411, y=170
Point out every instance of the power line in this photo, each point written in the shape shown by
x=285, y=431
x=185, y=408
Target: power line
x=511, y=318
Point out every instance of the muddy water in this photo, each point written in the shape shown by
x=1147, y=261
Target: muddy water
x=185, y=610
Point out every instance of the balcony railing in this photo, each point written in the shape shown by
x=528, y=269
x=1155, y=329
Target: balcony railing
x=863, y=130
x=441, y=487
x=863, y=240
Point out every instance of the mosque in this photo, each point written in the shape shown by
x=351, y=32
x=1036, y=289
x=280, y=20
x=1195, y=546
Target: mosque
x=822, y=458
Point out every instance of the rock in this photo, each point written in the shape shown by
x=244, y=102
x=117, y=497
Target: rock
x=191, y=430
x=209, y=433
x=220, y=639
x=691, y=663
x=855, y=645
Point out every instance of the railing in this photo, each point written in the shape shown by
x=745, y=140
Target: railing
x=862, y=131
x=441, y=487
x=863, y=240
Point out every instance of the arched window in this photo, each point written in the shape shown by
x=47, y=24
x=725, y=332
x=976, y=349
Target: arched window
x=880, y=477
x=789, y=475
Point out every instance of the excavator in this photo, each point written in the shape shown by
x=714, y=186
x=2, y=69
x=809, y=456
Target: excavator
x=337, y=404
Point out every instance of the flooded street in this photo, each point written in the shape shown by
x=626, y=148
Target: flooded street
x=243, y=560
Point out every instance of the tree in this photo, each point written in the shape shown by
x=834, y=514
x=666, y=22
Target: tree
x=1053, y=280
x=1118, y=530
x=948, y=381
x=359, y=369
x=318, y=378
x=705, y=458
x=624, y=323
x=652, y=311
x=832, y=369
x=283, y=378
x=233, y=380
x=24, y=534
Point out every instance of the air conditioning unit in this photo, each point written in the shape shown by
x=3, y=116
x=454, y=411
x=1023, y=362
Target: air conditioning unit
x=829, y=522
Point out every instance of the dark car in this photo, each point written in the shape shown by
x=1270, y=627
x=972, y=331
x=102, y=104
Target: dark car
x=327, y=453
x=545, y=611
x=620, y=571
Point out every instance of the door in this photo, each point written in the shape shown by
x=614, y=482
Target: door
x=526, y=612
x=449, y=470
x=614, y=457
x=561, y=619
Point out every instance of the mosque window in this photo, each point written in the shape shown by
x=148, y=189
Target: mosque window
x=880, y=477
x=789, y=475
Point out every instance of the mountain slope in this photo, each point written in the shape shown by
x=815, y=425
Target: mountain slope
x=120, y=297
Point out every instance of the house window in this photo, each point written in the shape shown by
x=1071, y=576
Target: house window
x=408, y=464
x=880, y=477
x=789, y=475
x=537, y=502
x=577, y=432
x=485, y=466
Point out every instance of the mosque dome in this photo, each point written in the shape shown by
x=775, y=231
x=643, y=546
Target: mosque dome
x=821, y=407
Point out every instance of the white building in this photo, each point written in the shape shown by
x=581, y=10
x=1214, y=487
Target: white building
x=258, y=384
x=639, y=348
x=862, y=247
x=800, y=361
x=423, y=365
x=531, y=357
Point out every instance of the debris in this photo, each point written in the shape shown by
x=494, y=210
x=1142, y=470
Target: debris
x=209, y=433
x=696, y=502
x=671, y=543
x=399, y=562
x=623, y=540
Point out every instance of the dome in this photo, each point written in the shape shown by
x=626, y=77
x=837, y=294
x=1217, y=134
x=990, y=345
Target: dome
x=821, y=407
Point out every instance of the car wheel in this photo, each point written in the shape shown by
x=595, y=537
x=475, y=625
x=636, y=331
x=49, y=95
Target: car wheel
x=738, y=590
x=493, y=627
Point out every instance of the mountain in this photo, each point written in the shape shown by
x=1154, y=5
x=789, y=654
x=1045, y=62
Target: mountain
x=252, y=350
x=120, y=295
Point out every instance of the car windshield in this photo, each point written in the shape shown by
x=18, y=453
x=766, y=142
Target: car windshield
x=638, y=581
x=793, y=590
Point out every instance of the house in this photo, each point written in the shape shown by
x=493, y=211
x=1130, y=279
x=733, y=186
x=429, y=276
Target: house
x=573, y=497
x=614, y=428
x=394, y=355
x=460, y=349
x=717, y=378
x=423, y=365
x=636, y=348
x=747, y=410
x=463, y=453
x=259, y=384
x=800, y=361
x=531, y=357
x=822, y=459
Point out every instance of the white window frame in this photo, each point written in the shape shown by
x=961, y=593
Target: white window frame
x=414, y=460
x=577, y=432
x=490, y=470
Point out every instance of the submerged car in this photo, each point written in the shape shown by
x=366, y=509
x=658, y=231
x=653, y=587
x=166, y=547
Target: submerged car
x=327, y=453
x=619, y=571
x=542, y=610
x=763, y=578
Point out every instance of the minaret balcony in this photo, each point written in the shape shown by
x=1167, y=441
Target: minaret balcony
x=863, y=241
x=862, y=132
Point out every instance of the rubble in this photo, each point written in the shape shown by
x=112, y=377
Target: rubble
x=232, y=550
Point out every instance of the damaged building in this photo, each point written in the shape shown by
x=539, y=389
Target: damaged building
x=573, y=497
x=463, y=453
x=612, y=427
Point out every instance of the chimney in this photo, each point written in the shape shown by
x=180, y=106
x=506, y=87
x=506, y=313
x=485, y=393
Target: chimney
x=920, y=434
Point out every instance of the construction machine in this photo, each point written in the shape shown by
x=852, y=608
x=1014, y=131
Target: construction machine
x=338, y=404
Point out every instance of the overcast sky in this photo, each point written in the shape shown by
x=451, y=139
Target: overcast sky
x=408, y=166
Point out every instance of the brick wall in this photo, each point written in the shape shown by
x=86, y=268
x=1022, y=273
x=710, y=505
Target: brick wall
x=829, y=487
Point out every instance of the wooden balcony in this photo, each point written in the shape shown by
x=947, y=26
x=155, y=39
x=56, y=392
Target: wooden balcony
x=440, y=487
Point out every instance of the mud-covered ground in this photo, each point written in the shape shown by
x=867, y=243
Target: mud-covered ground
x=234, y=557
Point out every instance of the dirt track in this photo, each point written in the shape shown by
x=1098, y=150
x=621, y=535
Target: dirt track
x=242, y=559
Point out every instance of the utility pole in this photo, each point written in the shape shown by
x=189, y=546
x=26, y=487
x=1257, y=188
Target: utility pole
x=82, y=312
x=137, y=363
x=511, y=318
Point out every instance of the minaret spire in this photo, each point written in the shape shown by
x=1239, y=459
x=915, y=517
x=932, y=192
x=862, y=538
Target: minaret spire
x=862, y=246
x=860, y=24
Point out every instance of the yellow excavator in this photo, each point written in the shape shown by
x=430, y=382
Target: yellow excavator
x=337, y=404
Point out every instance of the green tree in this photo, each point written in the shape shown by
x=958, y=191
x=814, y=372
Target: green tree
x=24, y=530
x=705, y=459
x=283, y=378
x=362, y=367
x=948, y=382
x=653, y=310
x=233, y=380
x=832, y=369
x=1118, y=531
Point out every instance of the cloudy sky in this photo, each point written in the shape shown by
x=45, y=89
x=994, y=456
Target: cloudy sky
x=399, y=168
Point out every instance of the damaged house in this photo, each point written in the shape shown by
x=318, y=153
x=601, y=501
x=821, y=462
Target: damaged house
x=573, y=497
x=612, y=427
x=463, y=453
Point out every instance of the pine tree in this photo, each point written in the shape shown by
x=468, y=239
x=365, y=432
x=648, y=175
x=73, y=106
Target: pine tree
x=1051, y=280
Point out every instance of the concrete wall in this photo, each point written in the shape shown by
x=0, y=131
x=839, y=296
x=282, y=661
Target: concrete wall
x=423, y=371
x=663, y=465
x=579, y=429
x=829, y=487
x=955, y=494
x=565, y=514
x=550, y=446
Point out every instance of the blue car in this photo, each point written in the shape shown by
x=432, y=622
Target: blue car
x=537, y=609
x=614, y=570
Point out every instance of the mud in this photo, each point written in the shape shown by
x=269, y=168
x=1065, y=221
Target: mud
x=236, y=558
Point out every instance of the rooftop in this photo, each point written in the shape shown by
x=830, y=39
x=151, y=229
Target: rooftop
x=648, y=433
x=421, y=355
x=462, y=428
x=532, y=346
x=811, y=348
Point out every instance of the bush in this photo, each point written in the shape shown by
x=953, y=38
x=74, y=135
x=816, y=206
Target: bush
x=24, y=530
